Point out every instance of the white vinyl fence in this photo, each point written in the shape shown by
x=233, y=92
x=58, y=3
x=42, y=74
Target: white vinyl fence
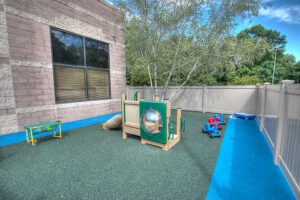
x=279, y=118
x=222, y=99
x=277, y=108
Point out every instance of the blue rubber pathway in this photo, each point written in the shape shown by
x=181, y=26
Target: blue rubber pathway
x=245, y=168
x=18, y=137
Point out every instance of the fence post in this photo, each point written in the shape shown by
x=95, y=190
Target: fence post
x=203, y=98
x=281, y=120
x=256, y=98
x=263, y=103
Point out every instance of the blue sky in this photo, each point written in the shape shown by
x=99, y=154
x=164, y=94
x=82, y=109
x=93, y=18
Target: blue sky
x=282, y=16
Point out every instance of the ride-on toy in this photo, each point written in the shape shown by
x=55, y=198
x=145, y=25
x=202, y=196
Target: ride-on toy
x=221, y=120
x=212, y=131
x=212, y=123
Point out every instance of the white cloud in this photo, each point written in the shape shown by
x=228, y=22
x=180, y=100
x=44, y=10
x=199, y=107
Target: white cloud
x=290, y=14
x=267, y=1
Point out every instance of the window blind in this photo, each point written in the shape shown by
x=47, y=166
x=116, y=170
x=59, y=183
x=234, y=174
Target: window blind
x=69, y=83
x=98, y=83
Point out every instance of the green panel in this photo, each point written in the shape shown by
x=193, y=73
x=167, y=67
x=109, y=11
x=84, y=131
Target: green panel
x=135, y=98
x=161, y=108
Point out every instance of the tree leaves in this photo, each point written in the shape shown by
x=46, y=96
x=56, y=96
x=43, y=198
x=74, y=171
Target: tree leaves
x=175, y=34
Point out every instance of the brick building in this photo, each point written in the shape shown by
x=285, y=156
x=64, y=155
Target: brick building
x=59, y=58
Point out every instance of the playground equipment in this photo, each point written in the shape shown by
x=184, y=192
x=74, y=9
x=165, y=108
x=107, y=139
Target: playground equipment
x=150, y=120
x=221, y=119
x=212, y=131
x=213, y=125
x=213, y=122
x=46, y=126
x=213, y=119
x=217, y=118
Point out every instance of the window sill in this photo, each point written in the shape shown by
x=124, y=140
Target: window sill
x=85, y=103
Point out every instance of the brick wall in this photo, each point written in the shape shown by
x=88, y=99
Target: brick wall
x=26, y=84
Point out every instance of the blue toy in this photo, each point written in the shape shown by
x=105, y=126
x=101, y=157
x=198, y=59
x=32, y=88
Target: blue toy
x=221, y=120
x=218, y=119
x=215, y=116
x=244, y=116
x=212, y=131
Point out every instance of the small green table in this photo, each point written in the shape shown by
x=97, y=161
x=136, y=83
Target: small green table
x=45, y=126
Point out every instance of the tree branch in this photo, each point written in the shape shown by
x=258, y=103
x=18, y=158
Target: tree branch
x=186, y=80
x=171, y=71
x=149, y=72
x=155, y=79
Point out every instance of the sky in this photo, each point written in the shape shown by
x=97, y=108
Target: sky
x=282, y=16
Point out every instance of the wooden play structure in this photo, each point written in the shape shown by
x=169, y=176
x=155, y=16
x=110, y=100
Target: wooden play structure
x=150, y=120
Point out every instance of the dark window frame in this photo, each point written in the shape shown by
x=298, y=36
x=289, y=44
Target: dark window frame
x=84, y=66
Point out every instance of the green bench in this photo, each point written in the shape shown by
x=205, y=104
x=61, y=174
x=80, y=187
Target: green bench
x=46, y=126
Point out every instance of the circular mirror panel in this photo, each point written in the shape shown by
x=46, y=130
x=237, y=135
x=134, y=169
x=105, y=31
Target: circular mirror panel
x=152, y=121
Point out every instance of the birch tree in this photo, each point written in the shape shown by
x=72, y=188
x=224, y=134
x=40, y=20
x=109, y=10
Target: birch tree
x=177, y=39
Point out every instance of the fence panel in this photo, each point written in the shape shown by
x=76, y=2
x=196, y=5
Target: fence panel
x=271, y=112
x=132, y=90
x=230, y=99
x=189, y=98
x=222, y=99
x=291, y=149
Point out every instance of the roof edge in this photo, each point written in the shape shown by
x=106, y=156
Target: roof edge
x=111, y=6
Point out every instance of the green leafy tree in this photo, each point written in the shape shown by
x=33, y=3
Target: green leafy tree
x=275, y=38
x=177, y=40
x=189, y=42
x=293, y=72
x=260, y=61
x=246, y=80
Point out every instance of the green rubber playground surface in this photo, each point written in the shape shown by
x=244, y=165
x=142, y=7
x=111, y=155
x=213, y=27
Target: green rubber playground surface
x=89, y=163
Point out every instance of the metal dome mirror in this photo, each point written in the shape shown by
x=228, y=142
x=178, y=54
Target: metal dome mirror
x=152, y=121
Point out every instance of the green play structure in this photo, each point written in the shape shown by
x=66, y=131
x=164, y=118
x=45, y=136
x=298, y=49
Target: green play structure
x=153, y=121
x=150, y=120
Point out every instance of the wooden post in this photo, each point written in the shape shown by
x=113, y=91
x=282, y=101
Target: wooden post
x=139, y=96
x=157, y=98
x=166, y=146
x=123, y=117
x=178, y=124
x=263, y=103
x=203, y=99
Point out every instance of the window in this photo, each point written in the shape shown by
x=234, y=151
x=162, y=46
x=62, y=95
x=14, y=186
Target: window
x=96, y=54
x=67, y=48
x=81, y=67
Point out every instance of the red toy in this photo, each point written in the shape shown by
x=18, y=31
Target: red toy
x=210, y=120
x=212, y=123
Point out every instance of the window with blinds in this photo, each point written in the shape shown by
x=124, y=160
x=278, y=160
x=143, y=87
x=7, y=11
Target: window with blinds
x=81, y=67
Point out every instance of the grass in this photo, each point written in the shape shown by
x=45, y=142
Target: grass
x=89, y=163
